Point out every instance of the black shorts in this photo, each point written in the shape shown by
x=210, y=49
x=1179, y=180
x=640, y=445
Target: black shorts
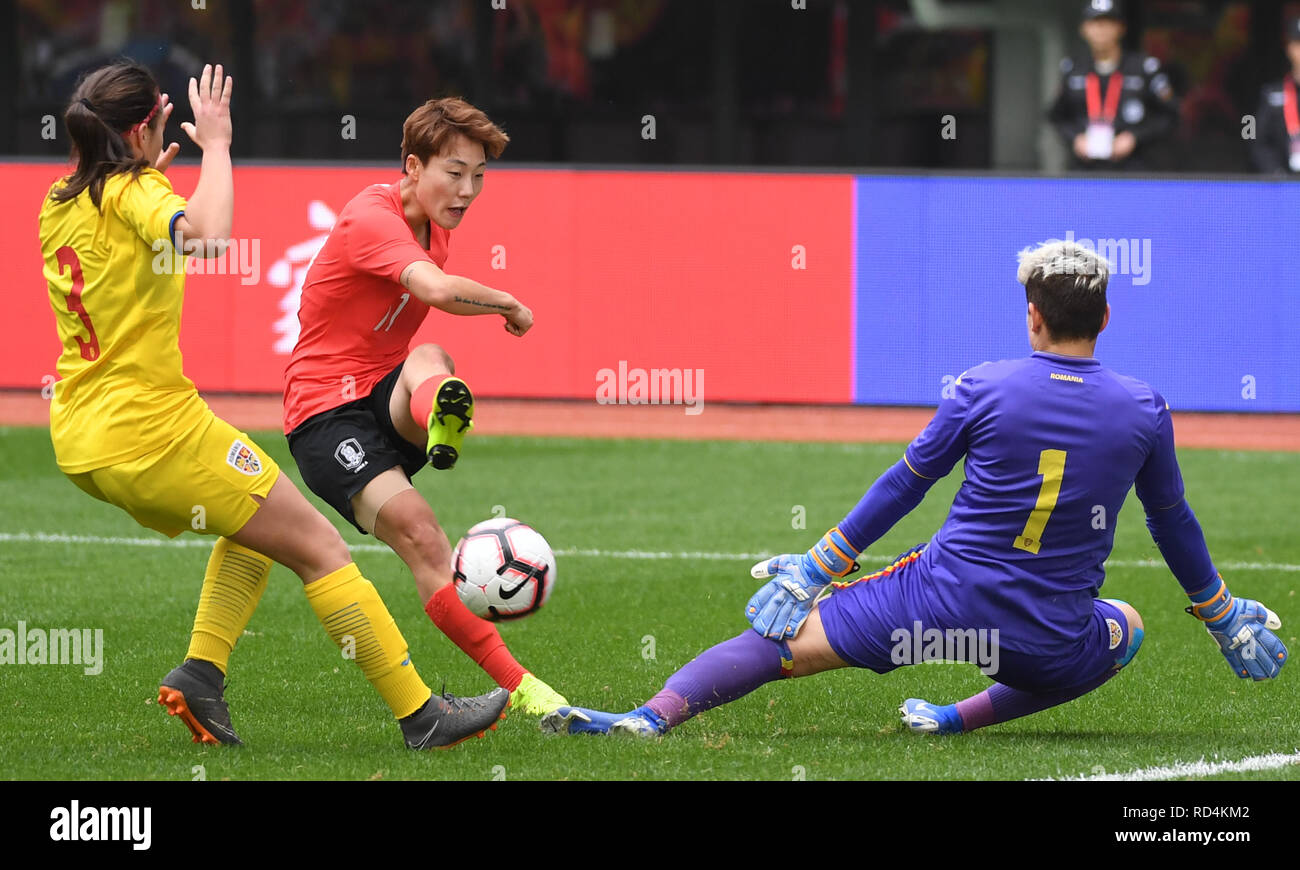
x=341, y=450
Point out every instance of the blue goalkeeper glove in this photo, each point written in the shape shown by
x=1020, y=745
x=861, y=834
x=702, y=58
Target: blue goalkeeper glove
x=1243, y=629
x=779, y=608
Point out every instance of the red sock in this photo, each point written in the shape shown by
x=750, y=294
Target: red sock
x=422, y=399
x=478, y=638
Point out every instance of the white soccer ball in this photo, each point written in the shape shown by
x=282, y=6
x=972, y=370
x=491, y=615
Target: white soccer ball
x=503, y=569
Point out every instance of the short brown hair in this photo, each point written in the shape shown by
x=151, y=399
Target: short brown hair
x=429, y=129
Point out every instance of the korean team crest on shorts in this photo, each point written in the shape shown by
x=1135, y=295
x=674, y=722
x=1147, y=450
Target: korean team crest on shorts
x=350, y=455
x=1116, y=633
x=242, y=458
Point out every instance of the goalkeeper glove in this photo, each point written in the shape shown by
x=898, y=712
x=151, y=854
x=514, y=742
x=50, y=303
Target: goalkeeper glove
x=1243, y=629
x=779, y=608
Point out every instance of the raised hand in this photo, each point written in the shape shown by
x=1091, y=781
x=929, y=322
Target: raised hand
x=210, y=102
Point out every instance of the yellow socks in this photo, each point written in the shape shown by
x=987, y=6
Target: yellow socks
x=345, y=602
x=358, y=622
x=232, y=586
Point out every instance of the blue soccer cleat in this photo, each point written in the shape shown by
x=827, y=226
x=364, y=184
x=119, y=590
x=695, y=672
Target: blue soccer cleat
x=922, y=717
x=641, y=722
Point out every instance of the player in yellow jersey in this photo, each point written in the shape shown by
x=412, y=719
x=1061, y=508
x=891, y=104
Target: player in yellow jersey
x=130, y=429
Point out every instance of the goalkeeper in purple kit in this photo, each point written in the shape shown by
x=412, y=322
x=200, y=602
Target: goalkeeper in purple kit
x=1052, y=443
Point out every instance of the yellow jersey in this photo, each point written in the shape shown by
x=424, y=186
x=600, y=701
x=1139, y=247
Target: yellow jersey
x=116, y=292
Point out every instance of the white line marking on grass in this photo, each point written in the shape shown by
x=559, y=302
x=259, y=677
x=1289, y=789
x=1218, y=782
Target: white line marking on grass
x=1228, y=566
x=205, y=542
x=1178, y=770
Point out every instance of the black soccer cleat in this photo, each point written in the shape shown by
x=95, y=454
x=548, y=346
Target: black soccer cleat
x=195, y=691
x=446, y=720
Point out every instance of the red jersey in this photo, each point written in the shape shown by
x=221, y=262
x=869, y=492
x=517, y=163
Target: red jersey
x=356, y=318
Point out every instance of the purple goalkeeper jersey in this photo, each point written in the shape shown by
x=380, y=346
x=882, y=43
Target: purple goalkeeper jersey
x=1052, y=445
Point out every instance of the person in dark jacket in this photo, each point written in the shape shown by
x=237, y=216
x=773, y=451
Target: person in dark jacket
x=1276, y=146
x=1112, y=104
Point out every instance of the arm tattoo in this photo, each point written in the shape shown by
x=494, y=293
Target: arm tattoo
x=405, y=278
x=491, y=305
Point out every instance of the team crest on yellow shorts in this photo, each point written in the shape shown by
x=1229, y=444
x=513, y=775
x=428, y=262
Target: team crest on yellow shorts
x=1116, y=633
x=242, y=458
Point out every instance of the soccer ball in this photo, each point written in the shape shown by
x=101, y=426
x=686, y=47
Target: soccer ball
x=503, y=569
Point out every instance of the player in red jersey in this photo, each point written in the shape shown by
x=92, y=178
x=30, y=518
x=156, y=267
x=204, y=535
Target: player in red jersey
x=130, y=429
x=361, y=411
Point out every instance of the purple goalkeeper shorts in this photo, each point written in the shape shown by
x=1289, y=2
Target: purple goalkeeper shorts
x=887, y=622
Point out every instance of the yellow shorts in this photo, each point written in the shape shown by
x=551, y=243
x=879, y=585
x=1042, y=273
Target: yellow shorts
x=202, y=481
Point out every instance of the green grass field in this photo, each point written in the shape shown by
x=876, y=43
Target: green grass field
x=619, y=622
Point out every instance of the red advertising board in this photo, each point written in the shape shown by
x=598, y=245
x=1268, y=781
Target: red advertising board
x=743, y=276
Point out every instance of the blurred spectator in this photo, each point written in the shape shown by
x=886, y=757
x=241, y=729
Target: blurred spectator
x=1276, y=147
x=565, y=27
x=1207, y=54
x=519, y=58
x=1112, y=104
x=290, y=39
x=64, y=40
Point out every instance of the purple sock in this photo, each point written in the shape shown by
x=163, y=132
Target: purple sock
x=1000, y=703
x=718, y=675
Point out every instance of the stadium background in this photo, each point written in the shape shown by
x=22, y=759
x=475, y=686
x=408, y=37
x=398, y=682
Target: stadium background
x=901, y=265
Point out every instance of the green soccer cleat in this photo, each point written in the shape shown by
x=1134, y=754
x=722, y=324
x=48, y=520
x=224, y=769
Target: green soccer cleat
x=450, y=418
x=535, y=698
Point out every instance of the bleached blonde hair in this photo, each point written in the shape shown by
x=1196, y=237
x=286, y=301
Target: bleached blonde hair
x=1054, y=258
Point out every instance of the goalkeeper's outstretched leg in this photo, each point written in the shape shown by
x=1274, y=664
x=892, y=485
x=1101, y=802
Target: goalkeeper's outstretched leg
x=717, y=676
x=1117, y=622
x=837, y=633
